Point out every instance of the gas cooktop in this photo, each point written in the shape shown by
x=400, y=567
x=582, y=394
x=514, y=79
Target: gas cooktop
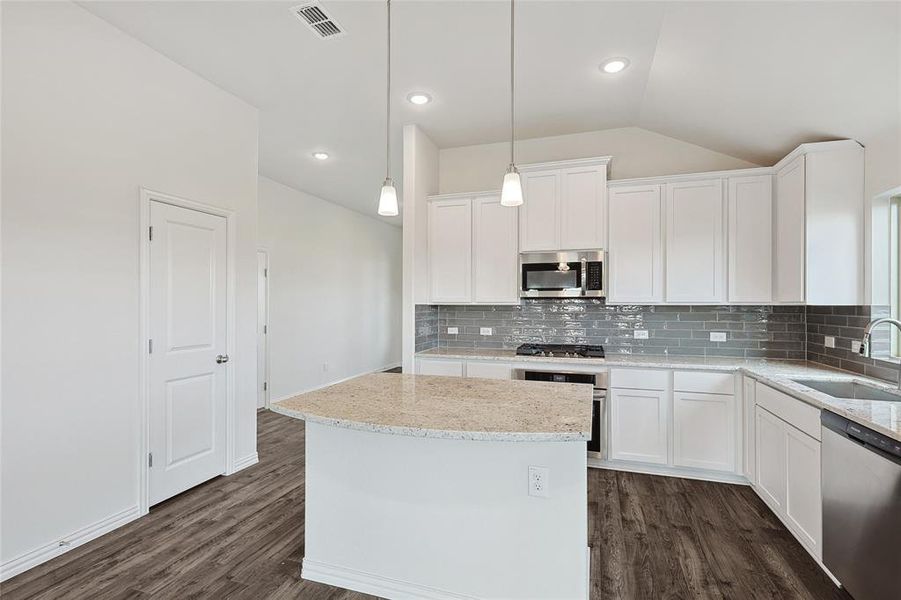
x=561, y=350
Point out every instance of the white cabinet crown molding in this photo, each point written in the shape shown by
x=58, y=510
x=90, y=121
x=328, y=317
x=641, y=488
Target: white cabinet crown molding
x=663, y=179
x=565, y=164
x=812, y=147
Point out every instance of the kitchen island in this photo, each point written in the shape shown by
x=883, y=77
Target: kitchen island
x=426, y=487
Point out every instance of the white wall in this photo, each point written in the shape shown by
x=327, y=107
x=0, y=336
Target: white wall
x=636, y=153
x=334, y=290
x=90, y=115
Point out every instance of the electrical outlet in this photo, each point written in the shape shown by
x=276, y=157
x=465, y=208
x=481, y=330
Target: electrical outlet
x=855, y=346
x=453, y=330
x=717, y=336
x=485, y=330
x=830, y=341
x=640, y=334
x=539, y=482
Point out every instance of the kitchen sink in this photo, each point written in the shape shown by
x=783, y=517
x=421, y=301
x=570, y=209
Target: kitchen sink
x=849, y=389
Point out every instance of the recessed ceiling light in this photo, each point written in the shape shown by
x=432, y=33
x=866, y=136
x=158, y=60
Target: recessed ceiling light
x=419, y=98
x=320, y=155
x=614, y=65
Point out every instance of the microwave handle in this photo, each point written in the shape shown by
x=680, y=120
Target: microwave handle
x=583, y=275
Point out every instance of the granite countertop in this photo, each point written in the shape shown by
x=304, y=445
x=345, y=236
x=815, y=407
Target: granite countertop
x=450, y=407
x=884, y=417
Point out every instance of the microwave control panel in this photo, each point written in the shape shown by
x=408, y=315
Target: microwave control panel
x=594, y=276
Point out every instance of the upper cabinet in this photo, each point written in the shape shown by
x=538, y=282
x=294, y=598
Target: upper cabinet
x=635, y=255
x=750, y=209
x=695, y=241
x=565, y=205
x=472, y=250
x=819, y=225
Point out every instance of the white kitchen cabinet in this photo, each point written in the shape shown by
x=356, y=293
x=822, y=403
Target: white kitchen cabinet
x=749, y=404
x=450, y=250
x=750, y=239
x=564, y=206
x=495, y=258
x=540, y=223
x=489, y=370
x=770, y=447
x=638, y=425
x=788, y=233
x=635, y=251
x=704, y=431
x=803, y=497
x=818, y=225
x=695, y=241
x=473, y=250
x=440, y=366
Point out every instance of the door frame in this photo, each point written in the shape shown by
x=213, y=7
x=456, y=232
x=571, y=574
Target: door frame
x=265, y=251
x=148, y=196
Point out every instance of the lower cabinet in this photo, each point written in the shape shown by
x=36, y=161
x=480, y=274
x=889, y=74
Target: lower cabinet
x=704, y=431
x=638, y=425
x=788, y=477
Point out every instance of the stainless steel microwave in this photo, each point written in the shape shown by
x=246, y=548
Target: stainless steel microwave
x=561, y=274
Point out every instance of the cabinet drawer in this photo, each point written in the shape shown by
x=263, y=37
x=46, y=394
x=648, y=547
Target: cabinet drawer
x=706, y=383
x=489, y=370
x=638, y=379
x=791, y=410
x=450, y=368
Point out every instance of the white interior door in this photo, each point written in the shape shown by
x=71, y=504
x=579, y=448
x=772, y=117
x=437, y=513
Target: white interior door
x=188, y=396
x=262, y=328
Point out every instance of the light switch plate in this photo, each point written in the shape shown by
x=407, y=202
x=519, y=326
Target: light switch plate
x=717, y=336
x=830, y=341
x=453, y=330
x=485, y=330
x=640, y=334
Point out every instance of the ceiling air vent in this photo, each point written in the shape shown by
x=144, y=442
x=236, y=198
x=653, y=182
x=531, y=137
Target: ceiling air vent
x=320, y=22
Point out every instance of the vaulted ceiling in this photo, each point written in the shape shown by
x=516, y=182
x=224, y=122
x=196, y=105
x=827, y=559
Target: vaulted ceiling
x=749, y=79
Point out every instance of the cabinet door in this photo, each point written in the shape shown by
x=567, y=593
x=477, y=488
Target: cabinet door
x=704, y=431
x=803, y=499
x=789, y=233
x=750, y=239
x=450, y=368
x=695, y=250
x=638, y=426
x=489, y=370
x=583, y=208
x=750, y=445
x=539, y=222
x=450, y=250
x=770, y=446
x=635, y=254
x=495, y=251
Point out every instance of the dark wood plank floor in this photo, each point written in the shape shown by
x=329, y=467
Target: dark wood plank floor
x=242, y=537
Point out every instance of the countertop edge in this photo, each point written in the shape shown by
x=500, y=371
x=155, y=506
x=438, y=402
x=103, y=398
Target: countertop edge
x=447, y=434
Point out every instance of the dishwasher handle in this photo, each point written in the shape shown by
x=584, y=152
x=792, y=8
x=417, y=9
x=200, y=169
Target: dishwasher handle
x=871, y=440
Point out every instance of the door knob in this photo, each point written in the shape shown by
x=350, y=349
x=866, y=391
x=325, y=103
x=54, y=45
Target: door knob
x=222, y=358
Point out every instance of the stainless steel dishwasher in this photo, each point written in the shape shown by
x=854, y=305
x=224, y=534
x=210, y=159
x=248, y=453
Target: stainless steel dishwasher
x=861, y=508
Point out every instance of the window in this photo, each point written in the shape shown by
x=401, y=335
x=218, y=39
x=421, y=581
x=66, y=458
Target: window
x=896, y=271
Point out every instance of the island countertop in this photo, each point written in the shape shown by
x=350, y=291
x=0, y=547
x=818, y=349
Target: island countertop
x=450, y=407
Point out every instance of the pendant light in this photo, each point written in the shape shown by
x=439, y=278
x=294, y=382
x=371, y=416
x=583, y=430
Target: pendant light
x=511, y=192
x=388, y=197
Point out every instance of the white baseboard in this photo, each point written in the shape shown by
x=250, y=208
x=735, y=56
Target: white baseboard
x=42, y=554
x=243, y=463
x=666, y=471
x=376, y=585
x=325, y=385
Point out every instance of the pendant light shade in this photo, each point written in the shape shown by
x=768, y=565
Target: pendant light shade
x=511, y=193
x=388, y=196
x=388, y=199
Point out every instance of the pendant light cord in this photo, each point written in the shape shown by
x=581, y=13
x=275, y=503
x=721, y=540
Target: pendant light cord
x=388, y=104
x=512, y=58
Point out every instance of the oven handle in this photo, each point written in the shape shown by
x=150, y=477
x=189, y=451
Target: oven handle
x=583, y=275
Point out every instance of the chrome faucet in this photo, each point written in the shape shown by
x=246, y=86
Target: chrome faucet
x=865, y=349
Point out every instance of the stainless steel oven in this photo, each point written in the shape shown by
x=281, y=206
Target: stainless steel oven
x=561, y=274
x=598, y=441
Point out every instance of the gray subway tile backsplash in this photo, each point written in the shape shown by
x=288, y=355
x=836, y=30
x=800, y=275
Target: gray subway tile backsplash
x=846, y=325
